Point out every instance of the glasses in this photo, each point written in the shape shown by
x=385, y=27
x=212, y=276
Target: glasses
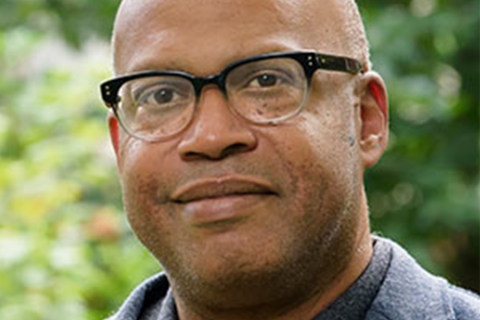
x=264, y=89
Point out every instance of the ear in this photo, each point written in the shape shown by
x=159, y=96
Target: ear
x=374, y=118
x=114, y=129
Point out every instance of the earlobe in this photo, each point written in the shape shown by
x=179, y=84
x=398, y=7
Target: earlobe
x=374, y=119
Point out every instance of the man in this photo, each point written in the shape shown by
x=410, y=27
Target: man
x=242, y=130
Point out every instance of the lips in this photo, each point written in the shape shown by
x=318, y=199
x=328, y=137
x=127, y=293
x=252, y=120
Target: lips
x=223, y=203
x=213, y=188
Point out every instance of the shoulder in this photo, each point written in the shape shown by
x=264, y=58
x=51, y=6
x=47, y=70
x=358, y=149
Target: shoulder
x=149, y=292
x=410, y=292
x=466, y=304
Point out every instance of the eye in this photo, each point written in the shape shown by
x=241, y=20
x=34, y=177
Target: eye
x=158, y=95
x=162, y=96
x=265, y=80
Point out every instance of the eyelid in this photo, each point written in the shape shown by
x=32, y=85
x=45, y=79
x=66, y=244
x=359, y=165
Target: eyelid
x=245, y=79
x=137, y=92
x=175, y=86
x=151, y=95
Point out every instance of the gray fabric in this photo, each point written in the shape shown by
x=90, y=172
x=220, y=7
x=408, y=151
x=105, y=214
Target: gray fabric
x=354, y=303
x=162, y=310
x=407, y=292
x=154, y=291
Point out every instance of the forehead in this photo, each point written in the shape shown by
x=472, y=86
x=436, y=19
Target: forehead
x=202, y=36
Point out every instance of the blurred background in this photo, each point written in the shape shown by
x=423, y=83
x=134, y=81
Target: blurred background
x=66, y=251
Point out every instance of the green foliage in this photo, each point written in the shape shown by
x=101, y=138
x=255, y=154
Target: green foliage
x=74, y=20
x=424, y=192
x=67, y=251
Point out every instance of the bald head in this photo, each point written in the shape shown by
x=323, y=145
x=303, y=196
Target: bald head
x=329, y=26
x=355, y=35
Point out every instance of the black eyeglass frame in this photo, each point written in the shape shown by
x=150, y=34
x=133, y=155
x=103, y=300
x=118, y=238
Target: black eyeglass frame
x=309, y=60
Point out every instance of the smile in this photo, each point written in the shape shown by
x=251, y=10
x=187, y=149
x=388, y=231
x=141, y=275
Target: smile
x=220, y=201
x=221, y=187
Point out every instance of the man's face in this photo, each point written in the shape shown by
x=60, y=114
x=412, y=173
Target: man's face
x=225, y=200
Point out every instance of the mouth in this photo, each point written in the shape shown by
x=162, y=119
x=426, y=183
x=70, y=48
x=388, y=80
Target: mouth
x=225, y=187
x=221, y=203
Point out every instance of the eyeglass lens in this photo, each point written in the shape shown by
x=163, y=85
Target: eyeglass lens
x=263, y=91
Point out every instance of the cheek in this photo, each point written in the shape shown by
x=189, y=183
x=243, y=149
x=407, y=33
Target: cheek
x=320, y=212
x=321, y=159
x=144, y=168
x=144, y=185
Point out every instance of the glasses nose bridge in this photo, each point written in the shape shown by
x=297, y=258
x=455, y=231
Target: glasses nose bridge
x=216, y=79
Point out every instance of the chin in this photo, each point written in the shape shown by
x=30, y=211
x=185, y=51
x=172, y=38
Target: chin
x=248, y=282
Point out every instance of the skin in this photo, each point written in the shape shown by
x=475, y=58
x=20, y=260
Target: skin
x=282, y=254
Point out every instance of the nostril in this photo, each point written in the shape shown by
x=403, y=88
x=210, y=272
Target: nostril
x=215, y=156
x=190, y=156
x=235, y=148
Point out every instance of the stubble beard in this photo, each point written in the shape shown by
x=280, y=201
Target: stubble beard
x=309, y=259
x=307, y=267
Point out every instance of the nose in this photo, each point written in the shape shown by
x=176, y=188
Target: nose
x=216, y=132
